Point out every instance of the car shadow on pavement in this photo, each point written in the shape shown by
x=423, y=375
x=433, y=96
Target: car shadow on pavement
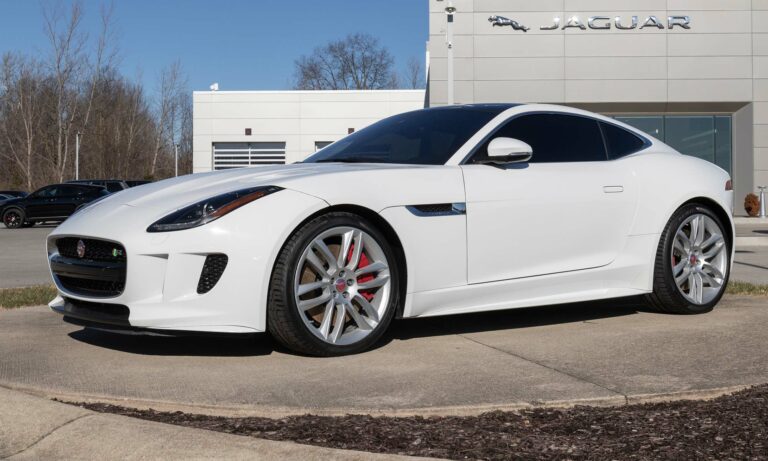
x=246, y=345
x=263, y=344
x=516, y=318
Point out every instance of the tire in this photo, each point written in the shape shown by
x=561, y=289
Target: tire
x=13, y=218
x=702, y=267
x=344, y=309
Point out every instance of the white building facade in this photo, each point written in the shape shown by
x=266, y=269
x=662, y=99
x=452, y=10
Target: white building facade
x=234, y=129
x=693, y=73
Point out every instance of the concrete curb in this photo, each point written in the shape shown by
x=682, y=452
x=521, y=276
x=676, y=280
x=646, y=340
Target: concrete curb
x=34, y=428
x=245, y=411
x=742, y=242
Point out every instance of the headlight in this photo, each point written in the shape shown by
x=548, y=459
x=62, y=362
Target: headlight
x=210, y=209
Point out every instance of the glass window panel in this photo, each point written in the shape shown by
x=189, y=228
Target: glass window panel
x=653, y=125
x=723, y=142
x=692, y=135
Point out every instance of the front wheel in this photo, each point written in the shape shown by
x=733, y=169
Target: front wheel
x=692, y=262
x=13, y=218
x=334, y=288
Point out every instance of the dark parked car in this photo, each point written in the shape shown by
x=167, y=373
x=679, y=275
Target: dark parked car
x=137, y=183
x=112, y=185
x=51, y=203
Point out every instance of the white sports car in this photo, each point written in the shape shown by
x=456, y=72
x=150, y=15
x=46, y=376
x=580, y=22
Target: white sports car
x=434, y=212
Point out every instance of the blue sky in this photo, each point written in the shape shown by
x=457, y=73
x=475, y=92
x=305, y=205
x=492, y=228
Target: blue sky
x=242, y=44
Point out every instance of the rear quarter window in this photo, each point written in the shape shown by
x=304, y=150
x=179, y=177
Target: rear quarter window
x=621, y=142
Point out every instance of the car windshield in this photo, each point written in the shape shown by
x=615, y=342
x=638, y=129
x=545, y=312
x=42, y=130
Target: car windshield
x=423, y=137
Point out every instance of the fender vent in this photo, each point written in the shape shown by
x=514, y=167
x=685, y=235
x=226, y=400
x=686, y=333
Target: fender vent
x=438, y=209
x=212, y=271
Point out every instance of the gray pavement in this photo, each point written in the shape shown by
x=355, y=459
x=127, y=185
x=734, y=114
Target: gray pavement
x=36, y=428
x=602, y=353
x=22, y=257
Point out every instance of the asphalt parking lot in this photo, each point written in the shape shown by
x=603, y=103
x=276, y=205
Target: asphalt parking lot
x=600, y=353
x=23, y=257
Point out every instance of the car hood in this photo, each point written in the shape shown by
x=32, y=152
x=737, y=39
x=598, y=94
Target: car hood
x=322, y=180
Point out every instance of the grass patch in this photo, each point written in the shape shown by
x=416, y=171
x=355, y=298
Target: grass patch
x=30, y=296
x=744, y=288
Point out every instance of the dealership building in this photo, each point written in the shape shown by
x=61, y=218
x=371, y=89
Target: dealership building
x=693, y=73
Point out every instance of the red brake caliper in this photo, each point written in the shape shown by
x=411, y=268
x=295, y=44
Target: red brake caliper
x=365, y=278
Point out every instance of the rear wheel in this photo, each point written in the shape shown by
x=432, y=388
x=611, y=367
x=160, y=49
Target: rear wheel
x=335, y=287
x=692, y=262
x=13, y=218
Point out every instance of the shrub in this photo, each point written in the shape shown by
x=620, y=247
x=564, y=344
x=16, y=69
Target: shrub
x=752, y=205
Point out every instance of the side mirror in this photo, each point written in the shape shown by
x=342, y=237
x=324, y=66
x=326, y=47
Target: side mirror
x=508, y=150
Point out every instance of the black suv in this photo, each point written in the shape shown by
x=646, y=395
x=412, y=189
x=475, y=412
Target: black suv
x=112, y=185
x=51, y=203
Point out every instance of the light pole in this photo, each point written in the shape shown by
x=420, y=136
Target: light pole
x=77, y=155
x=449, y=11
x=176, y=159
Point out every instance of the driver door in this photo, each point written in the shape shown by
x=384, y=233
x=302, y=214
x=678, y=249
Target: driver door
x=567, y=209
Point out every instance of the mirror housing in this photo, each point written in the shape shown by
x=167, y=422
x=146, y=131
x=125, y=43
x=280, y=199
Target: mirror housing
x=508, y=150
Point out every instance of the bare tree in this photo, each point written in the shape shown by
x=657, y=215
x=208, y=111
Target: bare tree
x=20, y=112
x=414, y=74
x=357, y=62
x=66, y=63
x=171, y=93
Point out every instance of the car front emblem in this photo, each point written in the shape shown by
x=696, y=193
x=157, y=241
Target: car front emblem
x=80, y=249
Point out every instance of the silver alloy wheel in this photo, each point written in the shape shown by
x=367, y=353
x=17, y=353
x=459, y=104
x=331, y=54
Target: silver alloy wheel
x=699, y=259
x=342, y=285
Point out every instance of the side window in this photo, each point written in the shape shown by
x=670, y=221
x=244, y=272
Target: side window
x=67, y=191
x=114, y=187
x=48, y=192
x=556, y=138
x=620, y=142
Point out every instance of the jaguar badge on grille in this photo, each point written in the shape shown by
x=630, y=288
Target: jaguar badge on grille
x=80, y=249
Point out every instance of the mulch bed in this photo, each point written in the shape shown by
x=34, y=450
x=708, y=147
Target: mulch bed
x=729, y=427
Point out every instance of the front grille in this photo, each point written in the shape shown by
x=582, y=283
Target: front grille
x=99, y=273
x=212, y=271
x=90, y=287
x=95, y=250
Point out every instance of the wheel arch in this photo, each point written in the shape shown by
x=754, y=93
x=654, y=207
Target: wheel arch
x=377, y=220
x=716, y=208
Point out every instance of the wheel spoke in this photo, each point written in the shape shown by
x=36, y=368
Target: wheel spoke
x=346, y=244
x=676, y=270
x=715, y=250
x=378, y=282
x=695, y=287
x=378, y=266
x=697, y=230
x=306, y=288
x=325, y=326
x=714, y=271
x=680, y=279
x=682, y=242
x=359, y=320
x=370, y=311
x=338, y=327
x=326, y=253
x=310, y=303
x=357, y=251
x=710, y=280
x=317, y=265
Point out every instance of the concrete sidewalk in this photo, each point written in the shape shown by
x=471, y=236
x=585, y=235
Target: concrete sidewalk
x=602, y=353
x=36, y=428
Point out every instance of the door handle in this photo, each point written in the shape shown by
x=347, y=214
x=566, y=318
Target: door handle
x=613, y=189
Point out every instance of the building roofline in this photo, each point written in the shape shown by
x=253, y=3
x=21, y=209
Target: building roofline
x=306, y=91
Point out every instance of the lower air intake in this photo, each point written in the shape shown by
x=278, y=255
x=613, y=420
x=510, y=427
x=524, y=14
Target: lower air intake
x=212, y=271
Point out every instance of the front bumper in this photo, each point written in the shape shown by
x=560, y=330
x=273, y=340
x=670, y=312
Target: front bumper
x=163, y=271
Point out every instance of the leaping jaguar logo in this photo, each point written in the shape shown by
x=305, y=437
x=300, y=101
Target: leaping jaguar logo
x=80, y=249
x=502, y=21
